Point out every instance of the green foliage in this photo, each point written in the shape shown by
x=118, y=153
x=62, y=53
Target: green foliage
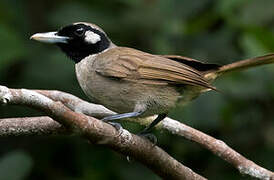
x=10, y=41
x=19, y=161
x=214, y=31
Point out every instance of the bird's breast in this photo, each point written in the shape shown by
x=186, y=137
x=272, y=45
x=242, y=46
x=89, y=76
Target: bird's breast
x=84, y=73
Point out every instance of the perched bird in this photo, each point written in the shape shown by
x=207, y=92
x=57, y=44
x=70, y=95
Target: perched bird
x=135, y=83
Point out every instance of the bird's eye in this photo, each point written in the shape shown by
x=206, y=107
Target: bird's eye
x=79, y=32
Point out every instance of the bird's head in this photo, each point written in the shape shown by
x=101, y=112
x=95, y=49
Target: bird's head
x=77, y=40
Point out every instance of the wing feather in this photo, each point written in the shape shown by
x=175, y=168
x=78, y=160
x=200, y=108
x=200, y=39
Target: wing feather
x=134, y=65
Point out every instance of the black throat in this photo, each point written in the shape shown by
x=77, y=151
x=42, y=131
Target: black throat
x=77, y=48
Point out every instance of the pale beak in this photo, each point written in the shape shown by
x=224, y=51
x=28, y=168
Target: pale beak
x=50, y=37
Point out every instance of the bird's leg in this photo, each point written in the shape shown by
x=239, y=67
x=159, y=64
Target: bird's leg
x=148, y=129
x=118, y=126
x=121, y=116
x=146, y=132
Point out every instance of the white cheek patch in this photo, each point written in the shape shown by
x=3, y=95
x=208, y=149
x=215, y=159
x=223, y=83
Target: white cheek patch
x=91, y=37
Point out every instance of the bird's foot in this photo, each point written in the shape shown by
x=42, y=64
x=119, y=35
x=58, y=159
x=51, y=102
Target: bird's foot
x=147, y=131
x=149, y=136
x=117, y=126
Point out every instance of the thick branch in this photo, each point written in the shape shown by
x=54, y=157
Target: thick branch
x=101, y=133
x=31, y=126
x=218, y=147
x=76, y=104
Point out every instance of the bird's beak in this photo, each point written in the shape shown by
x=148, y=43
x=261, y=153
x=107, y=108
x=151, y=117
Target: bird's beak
x=49, y=37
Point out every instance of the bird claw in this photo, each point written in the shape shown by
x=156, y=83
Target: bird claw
x=149, y=136
x=117, y=126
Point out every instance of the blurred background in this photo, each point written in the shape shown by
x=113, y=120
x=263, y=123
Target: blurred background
x=216, y=31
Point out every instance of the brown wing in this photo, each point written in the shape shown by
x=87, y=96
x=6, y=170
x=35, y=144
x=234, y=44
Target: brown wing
x=133, y=65
x=198, y=65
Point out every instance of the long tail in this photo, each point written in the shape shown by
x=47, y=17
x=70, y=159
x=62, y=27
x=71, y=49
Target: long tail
x=240, y=65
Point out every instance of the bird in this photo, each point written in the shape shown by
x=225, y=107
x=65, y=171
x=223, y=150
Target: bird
x=134, y=83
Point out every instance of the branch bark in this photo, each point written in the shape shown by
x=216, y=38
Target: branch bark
x=31, y=126
x=101, y=133
x=216, y=146
x=49, y=127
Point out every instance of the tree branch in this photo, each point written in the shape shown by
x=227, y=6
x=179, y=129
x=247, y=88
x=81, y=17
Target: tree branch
x=76, y=104
x=216, y=146
x=31, y=126
x=101, y=133
x=46, y=126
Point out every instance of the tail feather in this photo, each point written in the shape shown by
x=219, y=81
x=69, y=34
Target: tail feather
x=240, y=65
